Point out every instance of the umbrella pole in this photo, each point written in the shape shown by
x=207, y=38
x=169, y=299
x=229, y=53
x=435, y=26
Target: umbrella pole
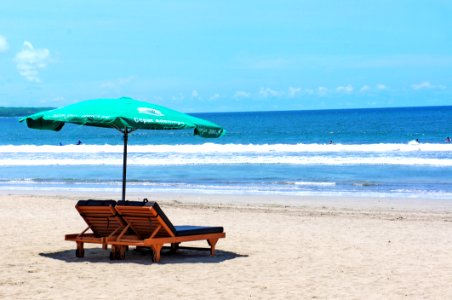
x=124, y=164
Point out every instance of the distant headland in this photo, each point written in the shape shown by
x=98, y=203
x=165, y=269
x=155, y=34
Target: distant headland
x=21, y=111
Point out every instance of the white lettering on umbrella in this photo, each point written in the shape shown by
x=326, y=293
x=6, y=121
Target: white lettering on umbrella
x=81, y=116
x=141, y=120
x=159, y=121
x=150, y=111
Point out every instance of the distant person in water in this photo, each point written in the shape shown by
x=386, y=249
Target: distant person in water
x=61, y=144
x=79, y=142
x=331, y=142
x=417, y=141
x=447, y=140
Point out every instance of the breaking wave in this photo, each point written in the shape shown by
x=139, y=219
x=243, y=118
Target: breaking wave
x=438, y=155
x=228, y=148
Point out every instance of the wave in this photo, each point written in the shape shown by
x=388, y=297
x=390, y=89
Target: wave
x=231, y=160
x=330, y=189
x=438, y=155
x=230, y=148
x=309, y=183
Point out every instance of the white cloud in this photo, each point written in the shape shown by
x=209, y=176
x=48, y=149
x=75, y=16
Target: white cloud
x=268, y=92
x=3, y=44
x=422, y=86
x=345, y=89
x=242, y=94
x=194, y=94
x=381, y=87
x=367, y=88
x=30, y=60
x=294, y=91
x=426, y=85
x=364, y=88
x=322, y=91
x=214, y=96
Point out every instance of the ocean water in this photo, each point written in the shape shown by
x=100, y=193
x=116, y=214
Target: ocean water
x=391, y=152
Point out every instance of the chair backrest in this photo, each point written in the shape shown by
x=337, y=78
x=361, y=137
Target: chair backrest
x=146, y=219
x=101, y=216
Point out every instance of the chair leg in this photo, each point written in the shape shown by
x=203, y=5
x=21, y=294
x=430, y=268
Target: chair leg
x=156, y=252
x=174, y=247
x=122, y=252
x=113, y=253
x=212, y=243
x=79, y=252
x=104, y=244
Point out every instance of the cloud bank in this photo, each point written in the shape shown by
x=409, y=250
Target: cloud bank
x=242, y=94
x=29, y=61
x=345, y=89
x=426, y=85
x=268, y=92
x=3, y=44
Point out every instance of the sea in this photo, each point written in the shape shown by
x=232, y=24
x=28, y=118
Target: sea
x=387, y=152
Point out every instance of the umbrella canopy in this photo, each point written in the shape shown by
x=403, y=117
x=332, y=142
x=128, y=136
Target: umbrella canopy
x=125, y=115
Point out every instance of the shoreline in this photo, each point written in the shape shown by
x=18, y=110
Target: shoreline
x=398, y=204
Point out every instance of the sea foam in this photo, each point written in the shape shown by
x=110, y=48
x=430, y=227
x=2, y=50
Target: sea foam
x=227, y=148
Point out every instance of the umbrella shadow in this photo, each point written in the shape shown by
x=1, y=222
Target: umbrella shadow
x=144, y=256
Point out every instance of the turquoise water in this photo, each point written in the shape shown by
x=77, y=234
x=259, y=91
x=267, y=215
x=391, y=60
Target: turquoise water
x=353, y=152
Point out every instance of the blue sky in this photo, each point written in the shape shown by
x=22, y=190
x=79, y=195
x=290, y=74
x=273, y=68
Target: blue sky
x=198, y=56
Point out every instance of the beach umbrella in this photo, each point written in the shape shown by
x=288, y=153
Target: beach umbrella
x=123, y=114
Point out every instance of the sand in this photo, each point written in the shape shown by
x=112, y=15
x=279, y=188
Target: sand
x=276, y=247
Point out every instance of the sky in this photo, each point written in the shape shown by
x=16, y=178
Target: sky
x=218, y=56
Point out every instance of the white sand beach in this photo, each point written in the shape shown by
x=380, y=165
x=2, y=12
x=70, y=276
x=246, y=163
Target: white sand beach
x=275, y=247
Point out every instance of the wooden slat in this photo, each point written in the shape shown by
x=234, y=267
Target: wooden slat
x=135, y=219
x=144, y=220
x=136, y=214
x=169, y=240
x=95, y=210
x=127, y=210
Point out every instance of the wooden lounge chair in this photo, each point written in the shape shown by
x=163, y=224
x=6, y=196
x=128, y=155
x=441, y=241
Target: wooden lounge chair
x=147, y=226
x=103, y=221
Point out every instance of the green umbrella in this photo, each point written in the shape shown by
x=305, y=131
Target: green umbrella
x=125, y=115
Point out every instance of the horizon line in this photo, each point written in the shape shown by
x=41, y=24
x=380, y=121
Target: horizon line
x=256, y=111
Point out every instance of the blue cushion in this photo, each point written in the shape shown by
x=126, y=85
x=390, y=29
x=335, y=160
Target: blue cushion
x=184, y=230
x=91, y=202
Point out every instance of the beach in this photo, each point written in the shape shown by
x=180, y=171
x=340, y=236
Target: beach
x=275, y=247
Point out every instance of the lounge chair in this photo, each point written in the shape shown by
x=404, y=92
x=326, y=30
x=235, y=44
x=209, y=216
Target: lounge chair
x=103, y=221
x=148, y=227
